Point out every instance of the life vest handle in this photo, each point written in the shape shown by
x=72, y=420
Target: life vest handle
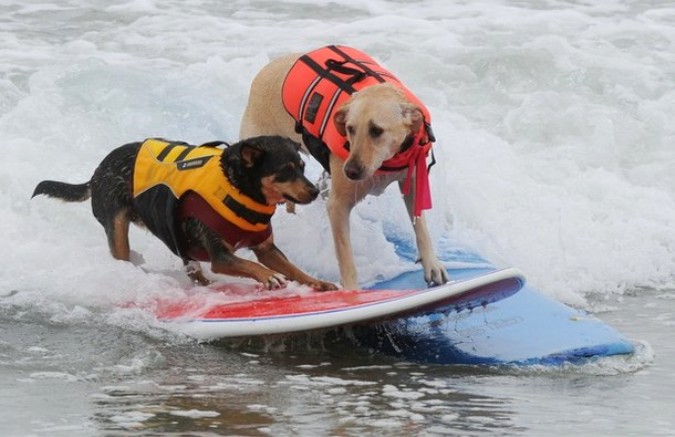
x=340, y=67
x=215, y=144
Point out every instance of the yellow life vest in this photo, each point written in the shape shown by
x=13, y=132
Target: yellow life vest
x=183, y=167
x=189, y=173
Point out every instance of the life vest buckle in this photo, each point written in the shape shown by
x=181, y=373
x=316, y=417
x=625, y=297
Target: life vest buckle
x=430, y=132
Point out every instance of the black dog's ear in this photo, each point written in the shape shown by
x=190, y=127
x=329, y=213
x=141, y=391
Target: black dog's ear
x=250, y=154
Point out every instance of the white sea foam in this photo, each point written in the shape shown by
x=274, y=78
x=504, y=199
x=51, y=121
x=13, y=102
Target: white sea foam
x=194, y=414
x=33, y=377
x=555, y=135
x=131, y=419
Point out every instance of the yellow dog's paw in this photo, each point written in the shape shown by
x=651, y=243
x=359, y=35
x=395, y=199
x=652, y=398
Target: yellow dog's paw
x=435, y=272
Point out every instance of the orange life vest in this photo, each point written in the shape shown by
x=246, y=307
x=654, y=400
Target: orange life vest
x=321, y=81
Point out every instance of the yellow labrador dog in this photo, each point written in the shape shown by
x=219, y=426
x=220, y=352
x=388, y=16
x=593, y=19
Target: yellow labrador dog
x=365, y=128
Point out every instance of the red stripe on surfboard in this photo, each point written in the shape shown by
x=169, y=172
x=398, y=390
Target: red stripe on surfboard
x=277, y=306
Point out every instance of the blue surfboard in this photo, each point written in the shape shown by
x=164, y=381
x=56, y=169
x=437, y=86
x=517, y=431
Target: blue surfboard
x=525, y=328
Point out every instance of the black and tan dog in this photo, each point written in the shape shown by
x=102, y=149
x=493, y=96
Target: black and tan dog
x=204, y=202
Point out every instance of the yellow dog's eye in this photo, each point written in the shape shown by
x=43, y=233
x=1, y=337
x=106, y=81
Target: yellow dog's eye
x=375, y=131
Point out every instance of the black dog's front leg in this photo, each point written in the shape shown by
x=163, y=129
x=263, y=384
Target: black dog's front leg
x=223, y=259
x=271, y=256
x=194, y=271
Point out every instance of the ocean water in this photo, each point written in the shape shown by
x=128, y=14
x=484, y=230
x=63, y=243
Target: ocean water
x=555, y=155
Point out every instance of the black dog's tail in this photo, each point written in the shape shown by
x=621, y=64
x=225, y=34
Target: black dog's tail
x=64, y=191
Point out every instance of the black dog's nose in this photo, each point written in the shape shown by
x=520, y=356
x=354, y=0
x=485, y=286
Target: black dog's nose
x=354, y=170
x=313, y=192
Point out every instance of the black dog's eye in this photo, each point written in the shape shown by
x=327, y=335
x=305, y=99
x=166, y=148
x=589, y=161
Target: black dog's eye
x=350, y=130
x=375, y=131
x=286, y=174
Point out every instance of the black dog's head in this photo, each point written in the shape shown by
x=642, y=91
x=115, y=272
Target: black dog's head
x=269, y=170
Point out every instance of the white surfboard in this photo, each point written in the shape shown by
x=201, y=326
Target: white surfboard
x=319, y=310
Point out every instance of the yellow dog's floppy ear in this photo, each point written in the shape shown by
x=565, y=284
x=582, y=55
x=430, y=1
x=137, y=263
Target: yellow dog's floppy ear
x=413, y=116
x=340, y=119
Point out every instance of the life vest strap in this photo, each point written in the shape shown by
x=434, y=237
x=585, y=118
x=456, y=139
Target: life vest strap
x=340, y=67
x=188, y=148
x=417, y=163
x=367, y=71
x=317, y=148
x=192, y=205
x=354, y=75
x=172, y=145
x=253, y=217
x=326, y=73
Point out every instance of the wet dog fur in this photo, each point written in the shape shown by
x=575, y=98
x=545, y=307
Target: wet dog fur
x=268, y=169
x=376, y=120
